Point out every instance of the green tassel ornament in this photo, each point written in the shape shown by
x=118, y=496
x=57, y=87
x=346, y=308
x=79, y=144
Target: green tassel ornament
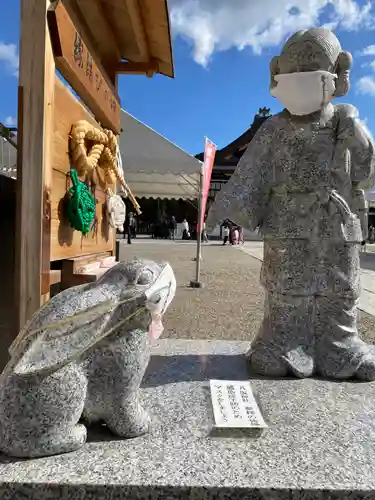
x=81, y=205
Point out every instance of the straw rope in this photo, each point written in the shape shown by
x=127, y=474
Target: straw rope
x=94, y=153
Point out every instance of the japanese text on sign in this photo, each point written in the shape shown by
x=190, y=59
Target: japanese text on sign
x=83, y=59
x=234, y=405
x=82, y=69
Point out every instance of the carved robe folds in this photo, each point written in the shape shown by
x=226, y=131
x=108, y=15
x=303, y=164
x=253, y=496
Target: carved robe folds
x=299, y=182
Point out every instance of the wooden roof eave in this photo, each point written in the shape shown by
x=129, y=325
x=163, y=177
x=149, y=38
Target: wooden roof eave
x=129, y=36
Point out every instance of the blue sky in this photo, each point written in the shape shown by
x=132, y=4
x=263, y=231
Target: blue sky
x=222, y=51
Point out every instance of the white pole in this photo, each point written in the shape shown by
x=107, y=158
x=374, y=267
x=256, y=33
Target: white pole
x=196, y=283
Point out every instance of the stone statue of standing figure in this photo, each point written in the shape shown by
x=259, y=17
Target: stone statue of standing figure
x=301, y=183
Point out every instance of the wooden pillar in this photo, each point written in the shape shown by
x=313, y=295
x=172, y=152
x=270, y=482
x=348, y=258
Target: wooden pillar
x=116, y=251
x=34, y=169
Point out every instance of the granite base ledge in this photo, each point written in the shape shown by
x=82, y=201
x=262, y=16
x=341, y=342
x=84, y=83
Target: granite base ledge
x=320, y=444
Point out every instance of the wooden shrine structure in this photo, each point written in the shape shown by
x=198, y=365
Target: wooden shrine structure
x=67, y=44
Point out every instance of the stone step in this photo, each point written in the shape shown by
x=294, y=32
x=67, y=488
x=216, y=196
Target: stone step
x=320, y=443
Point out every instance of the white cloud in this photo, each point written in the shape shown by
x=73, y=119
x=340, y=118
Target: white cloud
x=218, y=25
x=368, y=51
x=10, y=121
x=352, y=16
x=9, y=56
x=366, y=85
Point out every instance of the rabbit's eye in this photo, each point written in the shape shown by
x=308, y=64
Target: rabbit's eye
x=157, y=299
x=146, y=277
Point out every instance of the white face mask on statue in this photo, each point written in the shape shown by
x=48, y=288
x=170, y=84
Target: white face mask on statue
x=304, y=93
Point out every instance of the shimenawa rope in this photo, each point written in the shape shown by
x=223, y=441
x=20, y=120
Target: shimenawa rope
x=94, y=153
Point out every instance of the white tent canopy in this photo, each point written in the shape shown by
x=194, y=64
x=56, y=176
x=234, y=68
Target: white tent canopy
x=155, y=167
x=170, y=186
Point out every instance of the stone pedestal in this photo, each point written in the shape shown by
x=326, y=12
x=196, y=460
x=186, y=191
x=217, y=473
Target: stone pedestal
x=320, y=443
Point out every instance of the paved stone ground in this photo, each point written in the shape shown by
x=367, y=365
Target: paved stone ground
x=230, y=304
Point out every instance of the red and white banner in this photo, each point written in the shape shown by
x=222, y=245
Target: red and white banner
x=209, y=158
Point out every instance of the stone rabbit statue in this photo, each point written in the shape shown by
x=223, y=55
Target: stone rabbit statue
x=83, y=356
x=300, y=182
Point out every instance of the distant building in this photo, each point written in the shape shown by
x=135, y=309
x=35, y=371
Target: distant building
x=227, y=158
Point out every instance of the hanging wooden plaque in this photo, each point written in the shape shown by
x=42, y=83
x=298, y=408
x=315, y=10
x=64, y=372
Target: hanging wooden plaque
x=79, y=68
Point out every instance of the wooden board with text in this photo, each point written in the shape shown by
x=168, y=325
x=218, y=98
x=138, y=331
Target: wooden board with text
x=81, y=69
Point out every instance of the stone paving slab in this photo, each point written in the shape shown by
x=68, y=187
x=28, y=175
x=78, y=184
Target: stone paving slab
x=230, y=306
x=320, y=443
x=231, y=302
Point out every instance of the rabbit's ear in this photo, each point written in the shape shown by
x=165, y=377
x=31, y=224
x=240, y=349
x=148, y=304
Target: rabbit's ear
x=162, y=291
x=52, y=346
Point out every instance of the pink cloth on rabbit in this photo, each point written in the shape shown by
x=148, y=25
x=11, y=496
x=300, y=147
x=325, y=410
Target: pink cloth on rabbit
x=156, y=328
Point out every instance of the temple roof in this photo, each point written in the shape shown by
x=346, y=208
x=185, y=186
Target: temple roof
x=231, y=154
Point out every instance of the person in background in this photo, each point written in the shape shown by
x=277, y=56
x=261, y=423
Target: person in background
x=132, y=225
x=172, y=228
x=204, y=233
x=185, y=230
x=128, y=229
x=371, y=234
x=235, y=236
x=240, y=235
x=226, y=232
x=154, y=230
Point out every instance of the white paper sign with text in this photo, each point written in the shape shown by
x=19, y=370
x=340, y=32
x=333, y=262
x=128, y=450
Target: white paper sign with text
x=234, y=405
